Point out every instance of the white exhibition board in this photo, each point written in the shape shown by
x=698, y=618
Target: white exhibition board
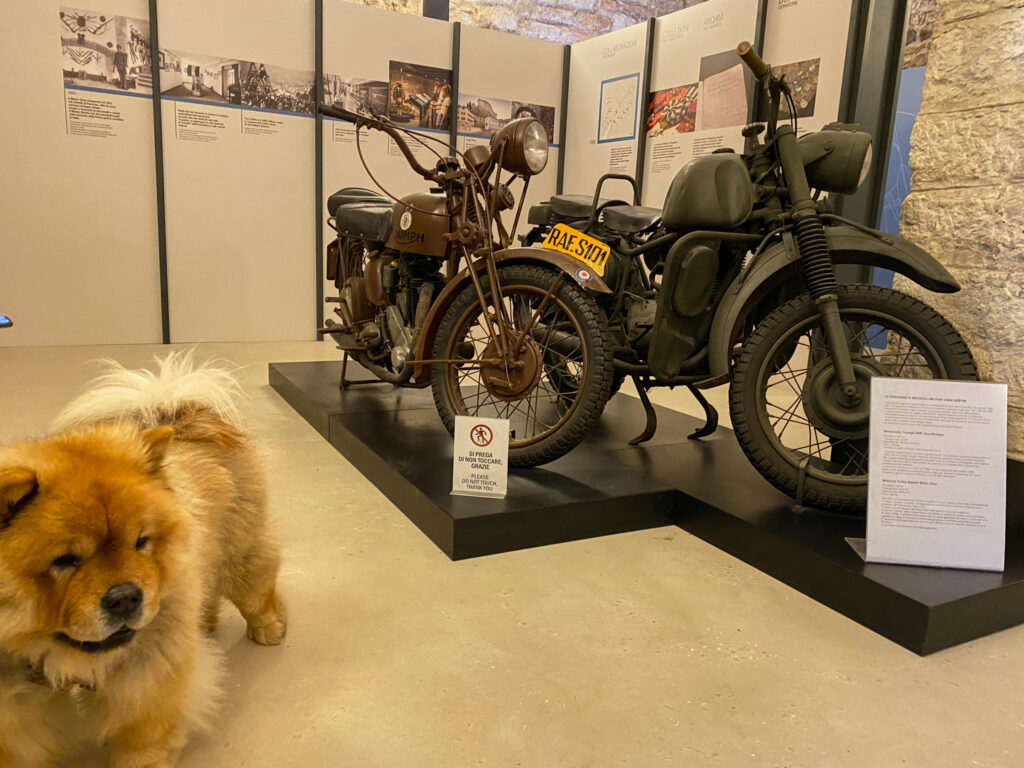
x=698, y=99
x=806, y=40
x=368, y=52
x=606, y=110
x=239, y=160
x=504, y=76
x=78, y=227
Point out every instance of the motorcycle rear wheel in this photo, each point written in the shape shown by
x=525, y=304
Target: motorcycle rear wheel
x=548, y=417
x=781, y=399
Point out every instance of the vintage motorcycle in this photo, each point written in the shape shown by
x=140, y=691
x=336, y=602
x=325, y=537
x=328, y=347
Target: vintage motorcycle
x=430, y=292
x=734, y=280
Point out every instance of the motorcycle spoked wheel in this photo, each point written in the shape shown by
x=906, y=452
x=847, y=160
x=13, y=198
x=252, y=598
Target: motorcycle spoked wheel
x=547, y=417
x=786, y=412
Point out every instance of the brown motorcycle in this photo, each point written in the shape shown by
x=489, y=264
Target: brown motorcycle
x=431, y=293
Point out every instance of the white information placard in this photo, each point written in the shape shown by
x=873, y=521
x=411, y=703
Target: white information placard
x=937, y=473
x=481, y=457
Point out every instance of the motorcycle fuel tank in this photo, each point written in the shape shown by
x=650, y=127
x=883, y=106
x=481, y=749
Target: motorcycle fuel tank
x=419, y=225
x=710, y=192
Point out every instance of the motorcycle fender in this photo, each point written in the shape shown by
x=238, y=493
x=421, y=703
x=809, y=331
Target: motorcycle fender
x=584, y=277
x=780, y=262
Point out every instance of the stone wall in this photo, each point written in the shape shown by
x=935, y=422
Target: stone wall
x=966, y=204
x=560, y=21
x=920, y=23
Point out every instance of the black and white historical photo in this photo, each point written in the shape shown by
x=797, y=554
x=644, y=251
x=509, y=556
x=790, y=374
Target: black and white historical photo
x=105, y=51
x=356, y=94
x=483, y=116
x=235, y=81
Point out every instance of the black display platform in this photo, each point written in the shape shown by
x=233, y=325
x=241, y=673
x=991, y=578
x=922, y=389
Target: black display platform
x=395, y=438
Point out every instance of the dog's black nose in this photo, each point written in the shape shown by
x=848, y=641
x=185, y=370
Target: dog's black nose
x=122, y=601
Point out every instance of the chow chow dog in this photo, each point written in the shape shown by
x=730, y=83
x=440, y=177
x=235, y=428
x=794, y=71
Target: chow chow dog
x=120, y=533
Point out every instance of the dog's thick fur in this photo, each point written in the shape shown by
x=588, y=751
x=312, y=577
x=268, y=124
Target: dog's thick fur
x=152, y=481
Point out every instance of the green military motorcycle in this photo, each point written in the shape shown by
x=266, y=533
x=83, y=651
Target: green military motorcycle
x=734, y=280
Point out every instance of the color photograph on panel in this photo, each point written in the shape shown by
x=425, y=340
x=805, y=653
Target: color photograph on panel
x=235, y=81
x=802, y=77
x=105, y=51
x=419, y=96
x=620, y=98
x=673, y=109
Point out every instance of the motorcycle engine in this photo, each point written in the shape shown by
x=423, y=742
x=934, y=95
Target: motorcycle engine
x=640, y=314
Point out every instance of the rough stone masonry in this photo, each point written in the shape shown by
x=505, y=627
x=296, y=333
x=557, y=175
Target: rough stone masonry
x=561, y=21
x=966, y=204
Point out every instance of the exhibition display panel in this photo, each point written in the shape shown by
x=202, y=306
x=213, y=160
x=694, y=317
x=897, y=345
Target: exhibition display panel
x=711, y=260
x=237, y=126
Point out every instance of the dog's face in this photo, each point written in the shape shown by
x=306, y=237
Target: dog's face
x=89, y=537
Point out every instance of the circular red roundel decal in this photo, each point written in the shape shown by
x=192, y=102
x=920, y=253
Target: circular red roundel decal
x=481, y=435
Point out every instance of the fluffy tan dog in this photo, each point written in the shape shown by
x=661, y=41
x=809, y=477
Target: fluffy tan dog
x=119, y=535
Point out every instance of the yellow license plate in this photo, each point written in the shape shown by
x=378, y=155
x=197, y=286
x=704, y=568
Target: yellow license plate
x=572, y=242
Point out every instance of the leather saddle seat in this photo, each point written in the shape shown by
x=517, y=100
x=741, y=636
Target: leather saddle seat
x=576, y=206
x=366, y=221
x=348, y=195
x=630, y=218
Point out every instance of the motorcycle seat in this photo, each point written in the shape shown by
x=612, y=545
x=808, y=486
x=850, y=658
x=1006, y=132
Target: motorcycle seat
x=367, y=221
x=575, y=206
x=539, y=214
x=348, y=195
x=630, y=218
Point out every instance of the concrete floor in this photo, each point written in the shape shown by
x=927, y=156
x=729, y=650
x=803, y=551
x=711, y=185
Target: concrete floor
x=642, y=649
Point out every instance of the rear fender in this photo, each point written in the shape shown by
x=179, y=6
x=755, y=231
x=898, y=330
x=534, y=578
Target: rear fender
x=780, y=263
x=584, y=277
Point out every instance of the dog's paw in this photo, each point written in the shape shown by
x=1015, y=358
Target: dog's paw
x=270, y=631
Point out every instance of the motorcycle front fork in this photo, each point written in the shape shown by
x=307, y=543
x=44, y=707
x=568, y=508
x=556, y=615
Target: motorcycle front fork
x=819, y=272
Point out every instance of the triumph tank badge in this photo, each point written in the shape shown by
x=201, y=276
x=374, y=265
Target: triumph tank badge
x=406, y=220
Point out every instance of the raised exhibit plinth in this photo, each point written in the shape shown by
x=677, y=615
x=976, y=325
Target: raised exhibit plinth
x=395, y=437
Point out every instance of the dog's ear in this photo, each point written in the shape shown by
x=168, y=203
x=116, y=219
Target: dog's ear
x=18, y=485
x=157, y=439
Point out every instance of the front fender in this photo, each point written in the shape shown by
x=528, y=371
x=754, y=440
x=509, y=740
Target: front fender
x=570, y=266
x=780, y=262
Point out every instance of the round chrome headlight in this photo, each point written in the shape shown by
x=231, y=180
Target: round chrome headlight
x=535, y=146
x=523, y=145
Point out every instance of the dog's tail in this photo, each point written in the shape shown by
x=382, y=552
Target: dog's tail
x=174, y=392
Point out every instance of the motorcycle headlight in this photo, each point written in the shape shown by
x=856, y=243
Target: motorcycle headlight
x=836, y=158
x=525, y=146
x=866, y=167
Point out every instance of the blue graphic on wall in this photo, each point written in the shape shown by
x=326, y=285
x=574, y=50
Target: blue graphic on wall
x=897, y=180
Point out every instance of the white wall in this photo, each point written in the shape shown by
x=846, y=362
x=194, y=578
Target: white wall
x=78, y=227
x=604, y=71
x=241, y=210
x=517, y=69
x=705, y=34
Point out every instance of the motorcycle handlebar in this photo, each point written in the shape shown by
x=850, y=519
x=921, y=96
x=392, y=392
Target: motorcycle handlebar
x=380, y=125
x=752, y=60
x=340, y=114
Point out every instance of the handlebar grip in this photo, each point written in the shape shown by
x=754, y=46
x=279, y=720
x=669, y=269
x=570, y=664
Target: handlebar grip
x=340, y=114
x=752, y=60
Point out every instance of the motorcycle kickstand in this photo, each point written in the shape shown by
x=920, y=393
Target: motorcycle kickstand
x=652, y=416
x=710, y=415
x=798, y=506
x=344, y=383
